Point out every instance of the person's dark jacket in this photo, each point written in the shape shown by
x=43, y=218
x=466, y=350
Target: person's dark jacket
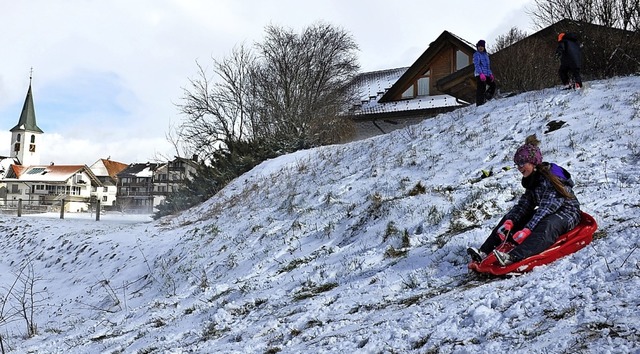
x=542, y=199
x=569, y=51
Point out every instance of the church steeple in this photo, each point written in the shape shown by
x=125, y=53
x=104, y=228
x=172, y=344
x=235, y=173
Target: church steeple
x=25, y=133
x=27, y=120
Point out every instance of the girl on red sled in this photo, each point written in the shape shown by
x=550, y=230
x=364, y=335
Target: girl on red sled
x=547, y=209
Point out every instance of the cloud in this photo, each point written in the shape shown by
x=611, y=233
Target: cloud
x=111, y=72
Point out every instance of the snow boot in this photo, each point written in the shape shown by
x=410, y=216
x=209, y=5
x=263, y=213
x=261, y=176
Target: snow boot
x=476, y=254
x=503, y=258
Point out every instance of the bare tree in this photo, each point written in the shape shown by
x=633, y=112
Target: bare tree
x=219, y=112
x=287, y=96
x=622, y=14
x=290, y=93
x=302, y=84
x=27, y=297
x=502, y=41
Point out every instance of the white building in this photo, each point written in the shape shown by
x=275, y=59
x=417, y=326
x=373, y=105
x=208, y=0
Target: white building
x=44, y=187
x=107, y=171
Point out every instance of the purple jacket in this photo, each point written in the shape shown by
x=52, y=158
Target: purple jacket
x=482, y=63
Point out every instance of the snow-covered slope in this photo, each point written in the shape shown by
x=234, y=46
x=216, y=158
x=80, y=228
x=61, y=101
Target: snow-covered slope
x=354, y=248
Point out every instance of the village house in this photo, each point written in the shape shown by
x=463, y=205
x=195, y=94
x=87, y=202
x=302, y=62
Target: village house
x=107, y=171
x=143, y=186
x=173, y=175
x=135, y=188
x=43, y=187
x=395, y=98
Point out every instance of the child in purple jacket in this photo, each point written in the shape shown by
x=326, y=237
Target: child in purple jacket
x=483, y=74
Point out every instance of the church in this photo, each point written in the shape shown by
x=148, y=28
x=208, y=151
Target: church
x=40, y=187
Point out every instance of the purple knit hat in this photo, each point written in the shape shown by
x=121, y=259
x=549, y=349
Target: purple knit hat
x=528, y=153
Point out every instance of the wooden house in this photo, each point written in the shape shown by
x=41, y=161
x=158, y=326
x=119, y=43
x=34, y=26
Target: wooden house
x=393, y=98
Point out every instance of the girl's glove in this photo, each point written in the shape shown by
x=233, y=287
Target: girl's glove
x=521, y=235
x=503, y=230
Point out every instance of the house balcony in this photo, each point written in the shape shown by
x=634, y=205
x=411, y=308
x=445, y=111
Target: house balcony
x=133, y=194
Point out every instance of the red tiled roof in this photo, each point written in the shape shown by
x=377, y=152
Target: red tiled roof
x=47, y=173
x=113, y=167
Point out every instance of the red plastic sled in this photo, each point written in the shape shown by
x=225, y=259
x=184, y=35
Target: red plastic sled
x=568, y=243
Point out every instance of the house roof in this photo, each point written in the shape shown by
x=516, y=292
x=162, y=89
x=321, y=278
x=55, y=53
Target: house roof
x=49, y=173
x=139, y=170
x=5, y=165
x=109, y=168
x=192, y=161
x=27, y=120
x=420, y=65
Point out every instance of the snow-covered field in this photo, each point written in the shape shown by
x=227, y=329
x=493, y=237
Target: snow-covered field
x=356, y=248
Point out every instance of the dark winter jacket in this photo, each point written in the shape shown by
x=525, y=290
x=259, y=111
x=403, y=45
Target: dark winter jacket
x=569, y=51
x=482, y=63
x=540, y=195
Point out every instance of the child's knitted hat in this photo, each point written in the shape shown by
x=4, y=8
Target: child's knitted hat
x=529, y=152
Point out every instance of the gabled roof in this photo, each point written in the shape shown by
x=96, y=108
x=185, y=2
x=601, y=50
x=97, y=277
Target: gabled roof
x=107, y=167
x=49, y=173
x=5, y=165
x=139, y=170
x=420, y=65
x=27, y=120
x=191, y=161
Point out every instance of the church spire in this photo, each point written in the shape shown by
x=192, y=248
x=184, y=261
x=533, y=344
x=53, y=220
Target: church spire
x=25, y=136
x=27, y=120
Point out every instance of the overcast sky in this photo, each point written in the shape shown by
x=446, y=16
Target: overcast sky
x=107, y=74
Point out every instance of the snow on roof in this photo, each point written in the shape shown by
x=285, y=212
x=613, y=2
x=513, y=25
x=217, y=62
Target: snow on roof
x=418, y=103
x=46, y=173
x=140, y=169
x=376, y=83
x=373, y=85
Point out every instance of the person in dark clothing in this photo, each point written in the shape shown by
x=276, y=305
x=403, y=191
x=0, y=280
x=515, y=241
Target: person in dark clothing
x=569, y=51
x=483, y=74
x=547, y=209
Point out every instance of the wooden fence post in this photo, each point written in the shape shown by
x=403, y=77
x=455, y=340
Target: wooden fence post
x=20, y=207
x=62, y=210
x=98, y=211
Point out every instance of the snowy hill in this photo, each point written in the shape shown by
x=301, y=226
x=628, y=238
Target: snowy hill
x=356, y=248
